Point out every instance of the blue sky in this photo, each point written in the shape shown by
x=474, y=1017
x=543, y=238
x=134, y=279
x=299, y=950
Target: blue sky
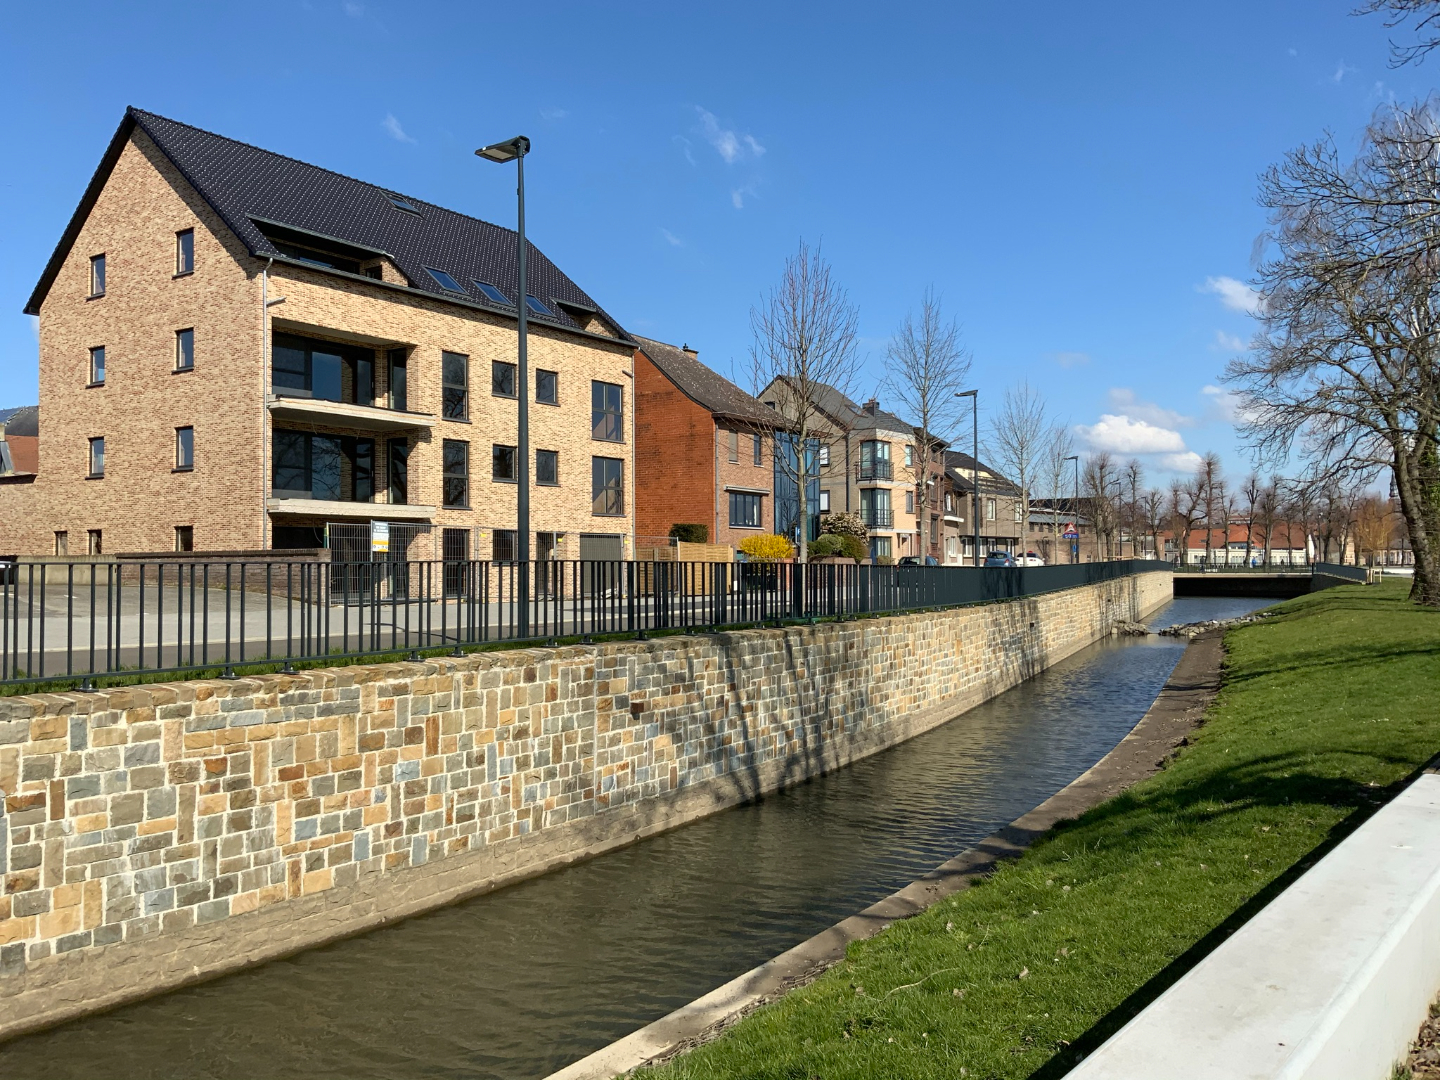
x=1076, y=181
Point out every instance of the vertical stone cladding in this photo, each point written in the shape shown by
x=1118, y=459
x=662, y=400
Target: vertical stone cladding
x=156, y=835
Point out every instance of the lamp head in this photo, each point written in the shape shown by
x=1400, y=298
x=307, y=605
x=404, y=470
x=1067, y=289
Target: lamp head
x=508, y=150
x=967, y=393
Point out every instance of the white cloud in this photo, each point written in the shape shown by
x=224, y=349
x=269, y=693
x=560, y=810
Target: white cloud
x=1126, y=435
x=673, y=241
x=1126, y=403
x=1341, y=70
x=1071, y=359
x=393, y=128
x=1185, y=462
x=684, y=145
x=737, y=195
x=1229, y=342
x=552, y=113
x=1235, y=295
x=731, y=145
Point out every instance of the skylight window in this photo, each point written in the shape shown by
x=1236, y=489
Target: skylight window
x=491, y=293
x=536, y=306
x=401, y=203
x=445, y=281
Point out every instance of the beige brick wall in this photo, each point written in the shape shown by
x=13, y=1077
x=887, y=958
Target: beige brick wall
x=155, y=835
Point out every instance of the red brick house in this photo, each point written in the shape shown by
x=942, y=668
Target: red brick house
x=703, y=449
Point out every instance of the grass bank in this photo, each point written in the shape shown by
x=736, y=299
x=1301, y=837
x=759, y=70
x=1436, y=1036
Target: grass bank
x=1326, y=711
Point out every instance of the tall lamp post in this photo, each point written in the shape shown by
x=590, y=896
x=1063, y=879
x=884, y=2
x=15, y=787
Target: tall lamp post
x=502, y=152
x=1075, y=551
x=974, y=396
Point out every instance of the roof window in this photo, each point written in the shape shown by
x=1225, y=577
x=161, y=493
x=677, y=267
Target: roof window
x=534, y=304
x=491, y=293
x=444, y=280
x=401, y=203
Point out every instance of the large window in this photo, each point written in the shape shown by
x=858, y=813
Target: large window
x=325, y=370
x=502, y=378
x=184, y=449
x=97, y=457
x=185, y=251
x=97, y=365
x=399, y=379
x=399, y=471
x=547, y=387
x=875, y=460
x=880, y=547
x=547, y=467
x=607, y=412
x=456, y=467
x=333, y=467
x=875, y=509
x=97, y=275
x=455, y=381
x=502, y=463
x=184, y=350
x=744, y=510
x=503, y=547
x=607, y=486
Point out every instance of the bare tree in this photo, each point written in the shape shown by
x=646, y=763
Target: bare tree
x=1212, y=488
x=1267, y=507
x=1054, y=471
x=1250, y=496
x=1020, y=437
x=927, y=368
x=804, y=330
x=1132, y=478
x=1346, y=369
x=1101, y=481
x=1186, y=512
x=1426, y=14
x=1152, y=510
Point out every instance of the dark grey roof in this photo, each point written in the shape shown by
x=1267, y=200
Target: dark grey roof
x=243, y=183
x=955, y=461
x=22, y=421
x=707, y=388
x=850, y=415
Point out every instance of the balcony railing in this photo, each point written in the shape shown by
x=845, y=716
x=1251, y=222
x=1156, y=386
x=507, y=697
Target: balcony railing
x=875, y=470
x=877, y=519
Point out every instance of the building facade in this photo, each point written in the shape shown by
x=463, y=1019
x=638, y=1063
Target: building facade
x=242, y=351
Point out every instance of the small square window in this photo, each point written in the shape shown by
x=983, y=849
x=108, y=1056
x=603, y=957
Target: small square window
x=97, y=457
x=535, y=305
x=94, y=543
x=401, y=203
x=97, y=275
x=97, y=365
x=502, y=379
x=444, y=280
x=491, y=293
x=503, y=545
x=185, y=251
x=547, y=467
x=547, y=387
x=184, y=448
x=184, y=350
x=502, y=463
x=184, y=538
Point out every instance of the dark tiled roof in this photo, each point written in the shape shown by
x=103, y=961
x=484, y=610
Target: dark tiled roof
x=22, y=421
x=243, y=183
x=704, y=386
x=835, y=404
x=957, y=464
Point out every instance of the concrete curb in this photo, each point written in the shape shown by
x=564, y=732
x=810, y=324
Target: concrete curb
x=1177, y=710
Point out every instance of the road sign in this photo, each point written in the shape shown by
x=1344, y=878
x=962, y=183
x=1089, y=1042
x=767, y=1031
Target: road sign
x=380, y=537
x=1070, y=533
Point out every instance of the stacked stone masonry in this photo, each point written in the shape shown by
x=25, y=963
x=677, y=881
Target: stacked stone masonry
x=171, y=832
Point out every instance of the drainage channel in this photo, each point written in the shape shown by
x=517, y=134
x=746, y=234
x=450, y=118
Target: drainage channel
x=519, y=983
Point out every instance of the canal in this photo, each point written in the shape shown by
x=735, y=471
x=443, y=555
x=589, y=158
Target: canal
x=520, y=982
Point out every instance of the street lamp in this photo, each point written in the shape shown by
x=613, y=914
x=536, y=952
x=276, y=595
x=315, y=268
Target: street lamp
x=974, y=396
x=1075, y=551
x=502, y=152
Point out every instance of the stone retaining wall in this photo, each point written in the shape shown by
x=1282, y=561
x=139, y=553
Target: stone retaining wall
x=159, y=835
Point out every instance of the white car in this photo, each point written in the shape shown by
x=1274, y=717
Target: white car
x=1029, y=559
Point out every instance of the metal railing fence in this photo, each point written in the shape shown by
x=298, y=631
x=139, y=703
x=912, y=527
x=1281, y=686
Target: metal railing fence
x=75, y=622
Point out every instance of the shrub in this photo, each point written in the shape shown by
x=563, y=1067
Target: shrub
x=825, y=546
x=767, y=549
x=843, y=524
x=853, y=547
x=694, y=533
x=885, y=560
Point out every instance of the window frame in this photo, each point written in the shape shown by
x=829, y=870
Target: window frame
x=100, y=262
x=62, y=543
x=184, y=253
x=554, y=399
x=441, y=276
x=499, y=452
x=492, y=293
x=499, y=538
x=554, y=456
x=462, y=387
x=824, y=457
x=759, y=450
x=96, y=441
x=824, y=500
x=732, y=445
x=402, y=355
x=185, y=533
x=990, y=509
x=598, y=414
x=462, y=474
x=94, y=370
x=909, y=502
x=499, y=368
x=748, y=500
x=95, y=541
x=184, y=449
x=185, y=349
x=601, y=486
x=537, y=306
x=397, y=467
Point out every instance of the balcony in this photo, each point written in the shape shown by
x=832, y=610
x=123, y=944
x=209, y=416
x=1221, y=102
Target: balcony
x=296, y=502
x=342, y=414
x=875, y=470
x=877, y=519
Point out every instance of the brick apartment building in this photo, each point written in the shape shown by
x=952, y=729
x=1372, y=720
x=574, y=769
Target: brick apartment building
x=239, y=350
x=704, y=449
x=999, y=506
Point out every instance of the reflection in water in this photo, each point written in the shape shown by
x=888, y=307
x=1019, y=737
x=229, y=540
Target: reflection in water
x=527, y=979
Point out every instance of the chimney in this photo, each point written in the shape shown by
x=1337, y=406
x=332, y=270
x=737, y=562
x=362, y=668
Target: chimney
x=694, y=354
x=870, y=407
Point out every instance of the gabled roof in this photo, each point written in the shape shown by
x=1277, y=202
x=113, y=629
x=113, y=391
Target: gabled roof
x=707, y=388
x=849, y=415
x=958, y=464
x=244, y=184
x=24, y=421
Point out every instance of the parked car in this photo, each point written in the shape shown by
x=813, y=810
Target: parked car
x=1000, y=558
x=1029, y=559
x=915, y=560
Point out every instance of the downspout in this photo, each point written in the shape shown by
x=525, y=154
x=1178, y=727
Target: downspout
x=715, y=476
x=264, y=406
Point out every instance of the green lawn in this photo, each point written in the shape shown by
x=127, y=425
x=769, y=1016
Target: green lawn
x=1326, y=711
